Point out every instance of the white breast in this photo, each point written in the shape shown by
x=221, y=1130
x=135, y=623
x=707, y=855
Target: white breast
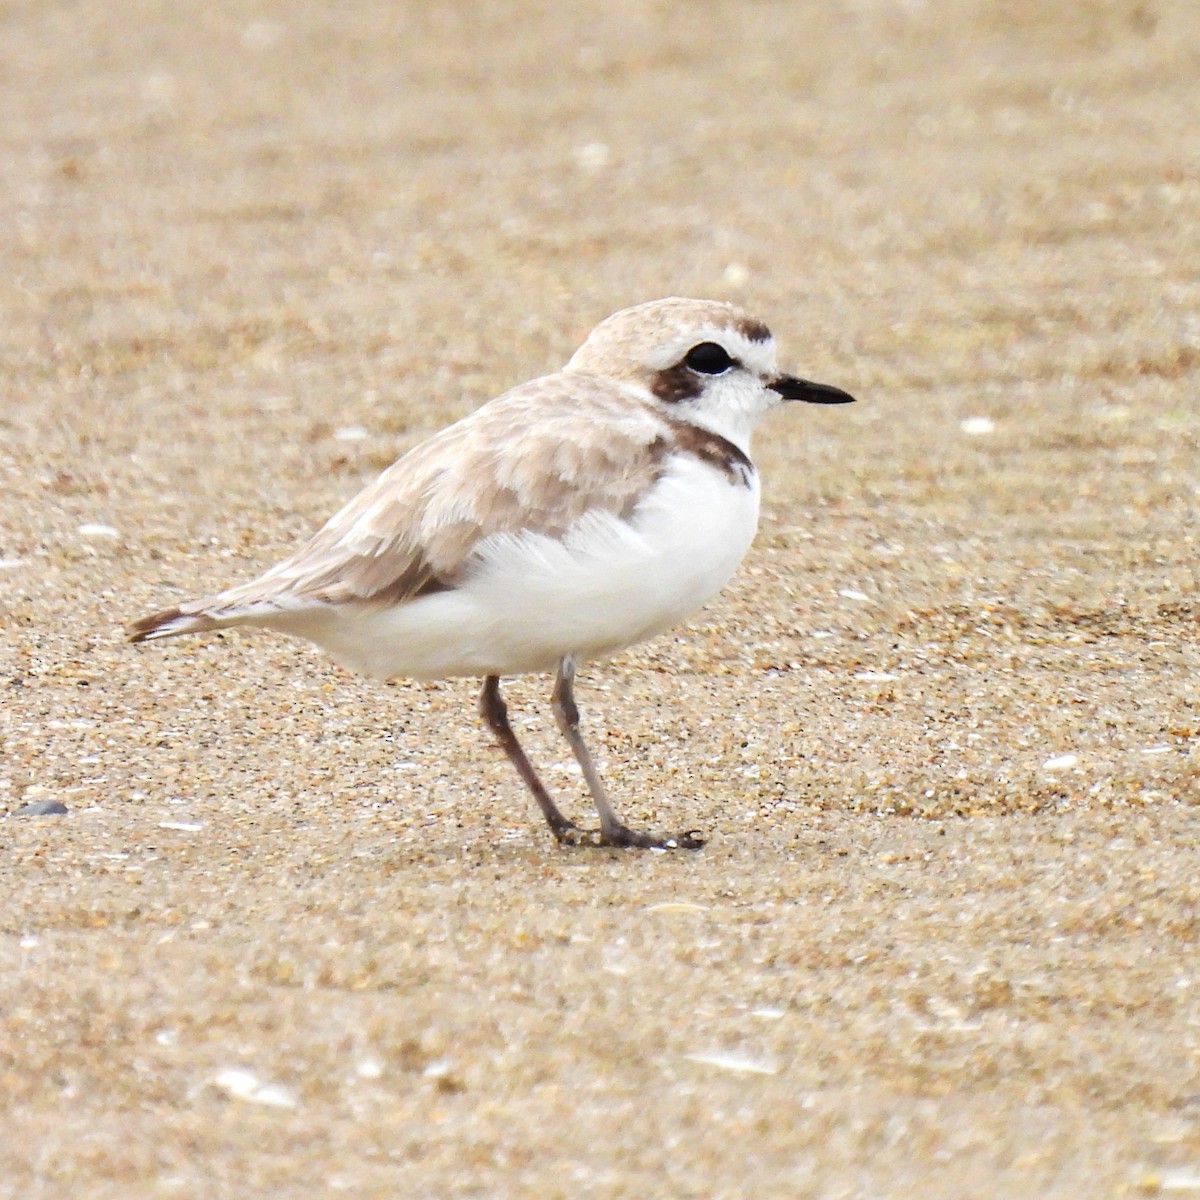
x=532, y=599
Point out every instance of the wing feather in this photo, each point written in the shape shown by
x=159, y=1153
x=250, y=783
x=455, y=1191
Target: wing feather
x=534, y=460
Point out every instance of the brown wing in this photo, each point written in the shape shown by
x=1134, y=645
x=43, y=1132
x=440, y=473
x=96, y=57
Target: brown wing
x=535, y=459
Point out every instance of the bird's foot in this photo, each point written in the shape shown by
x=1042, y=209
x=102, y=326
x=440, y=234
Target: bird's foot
x=622, y=836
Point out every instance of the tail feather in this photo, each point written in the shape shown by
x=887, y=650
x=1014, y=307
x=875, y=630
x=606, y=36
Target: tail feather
x=220, y=612
x=171, y=622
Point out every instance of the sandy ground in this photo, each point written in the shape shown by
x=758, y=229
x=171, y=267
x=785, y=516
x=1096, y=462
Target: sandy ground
x=301, y=935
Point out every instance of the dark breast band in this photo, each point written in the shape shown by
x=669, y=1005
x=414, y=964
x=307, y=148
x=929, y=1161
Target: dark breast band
x=713, y=449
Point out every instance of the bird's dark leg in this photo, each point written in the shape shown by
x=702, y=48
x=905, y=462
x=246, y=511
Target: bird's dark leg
x=495, y=715
x=612, y=831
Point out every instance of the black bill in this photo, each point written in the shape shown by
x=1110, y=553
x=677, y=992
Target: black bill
x=791, y=388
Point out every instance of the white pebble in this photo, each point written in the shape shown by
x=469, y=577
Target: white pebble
x=768, y=1014
x=261, y=35
x=273, y=1095
x=1061, y=762
x=736, y=274
x=977, y=426
x=159, y=87
x=93, y=530
x=236, y=1081
x=594, y=156
x=1179, y=1179
x=351, y=433
x=241, y=1084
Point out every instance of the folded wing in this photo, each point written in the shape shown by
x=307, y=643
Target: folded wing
x=526, y=462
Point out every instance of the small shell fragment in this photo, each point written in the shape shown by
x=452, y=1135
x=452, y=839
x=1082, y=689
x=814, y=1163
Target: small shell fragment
x=741, y=1064
x=241, y=1084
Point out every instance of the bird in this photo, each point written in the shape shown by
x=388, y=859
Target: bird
x=573, y=516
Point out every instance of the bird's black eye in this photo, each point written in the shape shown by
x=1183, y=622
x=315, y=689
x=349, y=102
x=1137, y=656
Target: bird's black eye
x=708, y=358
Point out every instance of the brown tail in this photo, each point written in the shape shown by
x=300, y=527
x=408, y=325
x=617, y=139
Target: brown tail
x=170, y=623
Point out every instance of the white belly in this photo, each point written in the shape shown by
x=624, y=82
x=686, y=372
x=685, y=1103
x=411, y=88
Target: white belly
x=533, y=599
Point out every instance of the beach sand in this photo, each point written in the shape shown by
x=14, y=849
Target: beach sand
x=302, y=934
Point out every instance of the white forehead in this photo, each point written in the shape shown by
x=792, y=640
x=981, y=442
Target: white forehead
x=755, y=354
x=658, y=334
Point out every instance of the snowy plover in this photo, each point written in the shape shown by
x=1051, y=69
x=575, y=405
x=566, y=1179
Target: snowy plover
x=565, y=520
